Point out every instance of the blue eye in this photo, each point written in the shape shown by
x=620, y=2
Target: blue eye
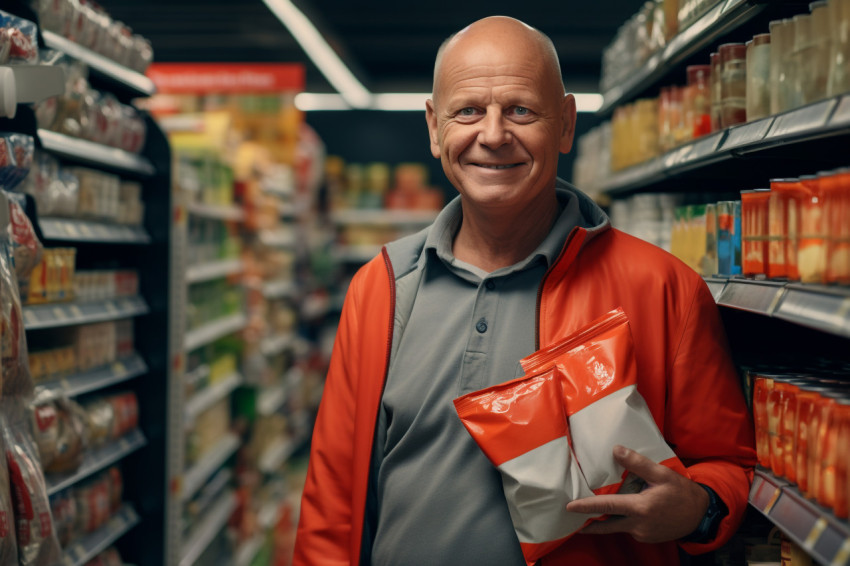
x=521, y=111
x=468, y=111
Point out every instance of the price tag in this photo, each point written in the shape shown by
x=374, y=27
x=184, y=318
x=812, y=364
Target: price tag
x=841, y=117
x=772, y=501
x=71, y=230
x=802, y=119
x=59, y=314
x=817, y=530
x=127, y=305
x=79, y=550
x=30, y=317
x=75, y=311
x=68, y=559
x=124, y=444
x=85, y=231
x=843, y=555
x=110, y=307
x=119, y=368
x=66, y=385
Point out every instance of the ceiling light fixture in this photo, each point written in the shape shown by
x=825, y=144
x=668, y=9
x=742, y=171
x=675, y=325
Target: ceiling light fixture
x=404, y=101
x=318, y=50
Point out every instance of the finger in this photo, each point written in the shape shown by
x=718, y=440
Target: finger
x=609, y=526
x=606, y=505
x=641, y=466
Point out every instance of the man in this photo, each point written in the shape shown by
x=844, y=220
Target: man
x=516, y=262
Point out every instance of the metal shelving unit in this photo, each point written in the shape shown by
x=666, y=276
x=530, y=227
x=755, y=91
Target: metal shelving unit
x=95, y=154
x=799, y=129
x=55, y=315
x=94, y=379
x=821, y=307
x=96, y=460
x=211, y=395
x=213, y=270
x=73, y=230
x=204, y=533
x=216, y=212
x=813, y=527
x=213, y=331
x=203, y=469
x=80, y=552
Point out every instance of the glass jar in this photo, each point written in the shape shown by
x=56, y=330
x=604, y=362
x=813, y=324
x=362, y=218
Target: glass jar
x=811, y=252
x=777, y=229
x=733, y=84
x=794, y=194
x=697, y=103
x=821, y=42
x=780, y=31
x=839, y=58
x=761, y=390
x=837, y=196
x=758, y=77
x=802, y=62
x=754, y=226
x=716, y=98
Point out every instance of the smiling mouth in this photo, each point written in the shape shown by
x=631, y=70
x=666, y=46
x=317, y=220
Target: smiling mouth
x=508, y=166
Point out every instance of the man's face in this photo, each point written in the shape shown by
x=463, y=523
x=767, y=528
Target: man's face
x=499, y=119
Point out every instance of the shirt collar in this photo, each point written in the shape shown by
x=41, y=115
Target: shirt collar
x=438, y=243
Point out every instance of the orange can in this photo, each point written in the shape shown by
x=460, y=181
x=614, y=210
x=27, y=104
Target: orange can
x=841, y=505
x=754, y=231
x=828, y=449
x=836, y=188
x=761, y=390
x=777, y=228
x=806, y=400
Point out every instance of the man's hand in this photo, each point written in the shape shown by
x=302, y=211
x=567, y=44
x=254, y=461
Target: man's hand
x=669, y=508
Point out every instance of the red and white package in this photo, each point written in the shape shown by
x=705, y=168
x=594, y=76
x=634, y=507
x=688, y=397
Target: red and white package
x=521, y=426
x=602, y=402
x=8, y=543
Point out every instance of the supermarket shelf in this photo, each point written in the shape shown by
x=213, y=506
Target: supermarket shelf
x=722, y=18
x=217, y=212
x=201, y=537
x=821, y=307
x=213, y=270
x=795, y=128
x=356, y=254
x=208, y=397
x=384, y=217
x=276, y=344
x=248, y=550
x=214, y=330
x=97, y=460
x=195, y=477
x=98, y=378
x=815, y=528
x=275, y=455
x=79, y=553
x=279, y=289
x=130, y=80
x=55, y=315
x=279, y=238
x=84, y=151
x=69, y=230
x=271, y=400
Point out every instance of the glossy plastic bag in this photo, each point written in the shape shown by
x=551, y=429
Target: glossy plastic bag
x=521, y=426
x=602, y=402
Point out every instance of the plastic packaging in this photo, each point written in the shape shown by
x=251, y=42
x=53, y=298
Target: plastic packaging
x=603, y=404
x=16, y=153
x=521, y=426
x=8, y=543
x=18, y=43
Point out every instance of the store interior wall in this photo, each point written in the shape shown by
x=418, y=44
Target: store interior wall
x=366, y=136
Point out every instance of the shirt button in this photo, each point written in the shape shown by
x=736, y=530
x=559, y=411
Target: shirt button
x=481, y=326
x=490, y=285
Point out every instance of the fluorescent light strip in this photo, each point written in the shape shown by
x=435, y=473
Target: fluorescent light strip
x=315, y=46
x=401, y=101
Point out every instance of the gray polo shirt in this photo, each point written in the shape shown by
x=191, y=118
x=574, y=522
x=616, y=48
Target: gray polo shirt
x=438, y=499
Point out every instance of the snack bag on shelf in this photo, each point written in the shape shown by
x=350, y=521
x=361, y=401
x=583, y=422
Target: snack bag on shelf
x=13, y=345
x=521, y=426
x=16, y=152
x=54, y=189
x=63, y=509
x=38, y=544
x=8, y=542
x=18, y=43
x=26, y=247
x=602, y=402
x=59, y=428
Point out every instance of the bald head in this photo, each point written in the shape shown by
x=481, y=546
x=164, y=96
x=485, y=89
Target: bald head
x=500, y=34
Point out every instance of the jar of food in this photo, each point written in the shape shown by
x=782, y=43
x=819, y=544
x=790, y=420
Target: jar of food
x=758, y=77
x=821, y=45
x=761, y=390
x=802, y=61
x=837, y=201
x=754, y=231
x=777, y=229
x=698, y=100
x=828, y=447
x=780, y=31
x=716, y=97
x=725, y=233
x=838, y=81
x=841, y=506
x=733, y=84
x=811, y=252
x=793, y=193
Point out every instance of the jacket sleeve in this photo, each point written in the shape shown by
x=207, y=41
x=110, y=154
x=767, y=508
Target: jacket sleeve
x=707, y=418
x=325, y=524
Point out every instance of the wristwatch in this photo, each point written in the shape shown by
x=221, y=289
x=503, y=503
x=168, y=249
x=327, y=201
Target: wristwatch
x=707, y=529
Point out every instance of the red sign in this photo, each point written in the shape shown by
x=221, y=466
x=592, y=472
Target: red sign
x=230, y=78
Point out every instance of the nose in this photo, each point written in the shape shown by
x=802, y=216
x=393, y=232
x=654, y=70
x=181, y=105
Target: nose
x=494, y=132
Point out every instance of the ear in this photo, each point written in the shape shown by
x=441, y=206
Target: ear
x=431, y=119
x=568, y=118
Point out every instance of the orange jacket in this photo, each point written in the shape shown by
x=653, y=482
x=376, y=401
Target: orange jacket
x=685, y=375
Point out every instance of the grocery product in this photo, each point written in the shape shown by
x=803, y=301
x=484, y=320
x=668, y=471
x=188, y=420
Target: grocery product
x=811, y=252
x=733, y=84
x=758, y=77
x=754, y=231
x=18, y=43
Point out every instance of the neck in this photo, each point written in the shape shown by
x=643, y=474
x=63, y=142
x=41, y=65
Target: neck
x=492, y=239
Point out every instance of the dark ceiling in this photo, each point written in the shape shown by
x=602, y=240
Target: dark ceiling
x=390, y=46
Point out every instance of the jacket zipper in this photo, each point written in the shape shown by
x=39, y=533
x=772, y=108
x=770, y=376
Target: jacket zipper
x=552, y=267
